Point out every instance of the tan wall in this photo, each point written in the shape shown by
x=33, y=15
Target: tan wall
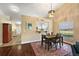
x=0, y=34
x=65, y=13
x=3, y=19
x=34, y=21
x=6, y=19
x=25, y=21
x=32, y=35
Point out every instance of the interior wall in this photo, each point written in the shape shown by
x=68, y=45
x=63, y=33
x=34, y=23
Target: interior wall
x=9, y=20
x=3, y=19
x=15, y=25
x=6, y=19
x=32, y=35
x=68, y=12
x=34, y=21
x=1, y=34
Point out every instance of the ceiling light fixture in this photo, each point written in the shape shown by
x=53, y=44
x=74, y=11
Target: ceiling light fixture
x=51, y=12
x=14, y=8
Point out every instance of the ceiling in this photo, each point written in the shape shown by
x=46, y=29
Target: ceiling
x=29, y=9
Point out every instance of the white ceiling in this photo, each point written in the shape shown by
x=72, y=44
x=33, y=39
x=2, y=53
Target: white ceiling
x=30, y=9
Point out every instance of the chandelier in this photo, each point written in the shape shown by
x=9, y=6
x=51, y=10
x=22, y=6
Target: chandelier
x=51, y=12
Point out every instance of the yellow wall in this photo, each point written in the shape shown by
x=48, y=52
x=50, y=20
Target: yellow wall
x=68, y=12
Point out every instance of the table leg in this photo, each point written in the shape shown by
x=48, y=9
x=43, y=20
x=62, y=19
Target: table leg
x=45, y=46
x=60, y=44
x=48, y=45
x=56, y=46
x=42, y=41
x=62, y=41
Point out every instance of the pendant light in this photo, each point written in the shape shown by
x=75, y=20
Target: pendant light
x=51, y=12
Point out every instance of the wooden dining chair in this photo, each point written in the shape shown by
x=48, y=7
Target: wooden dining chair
x=52, y=33
x=48, y=34
x=42, y=39
x=59, y=39
x=56, y=40
x=45, y=41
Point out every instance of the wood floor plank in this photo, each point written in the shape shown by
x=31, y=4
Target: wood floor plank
x=22, y=50
x=17, y=50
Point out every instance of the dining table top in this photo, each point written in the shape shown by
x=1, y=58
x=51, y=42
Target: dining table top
x=50, y=36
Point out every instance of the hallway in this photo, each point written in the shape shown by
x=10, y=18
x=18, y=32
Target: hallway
x=15, y=40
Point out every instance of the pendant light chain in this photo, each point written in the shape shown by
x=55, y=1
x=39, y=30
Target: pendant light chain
x=51, y=6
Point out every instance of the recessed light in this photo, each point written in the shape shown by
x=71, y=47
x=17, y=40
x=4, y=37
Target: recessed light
x=14, y=8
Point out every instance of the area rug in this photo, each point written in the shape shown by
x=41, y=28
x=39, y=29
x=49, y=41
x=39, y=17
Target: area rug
x=65, y=50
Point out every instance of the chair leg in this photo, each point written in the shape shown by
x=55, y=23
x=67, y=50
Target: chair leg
x=56, y=46
x=42, y=44
x=51, y=45
x=60, y=44
x=62, y=41
x=45, y=45
x=48, y=46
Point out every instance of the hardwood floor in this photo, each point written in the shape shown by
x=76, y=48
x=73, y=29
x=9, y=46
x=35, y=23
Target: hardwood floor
x=25, y=50
x=17, y=50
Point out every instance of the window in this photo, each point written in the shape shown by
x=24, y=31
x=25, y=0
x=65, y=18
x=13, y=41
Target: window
x=42, y=26
x=66, y=29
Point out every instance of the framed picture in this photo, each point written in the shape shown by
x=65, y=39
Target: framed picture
x=29, y=26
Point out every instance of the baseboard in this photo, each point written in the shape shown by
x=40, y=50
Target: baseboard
x=29, y=41
x=40, y=40
x=68, y=43
x=0, y=43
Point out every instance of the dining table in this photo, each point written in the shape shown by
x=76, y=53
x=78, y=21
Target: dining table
x=51, y=38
